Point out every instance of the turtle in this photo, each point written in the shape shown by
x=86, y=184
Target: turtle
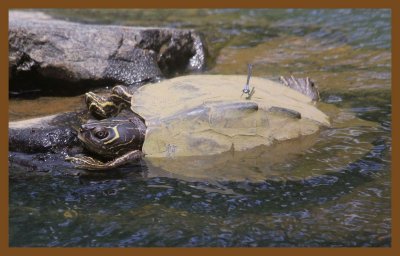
x=196, y=115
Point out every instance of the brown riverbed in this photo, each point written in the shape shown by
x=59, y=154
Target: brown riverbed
x=20, y=109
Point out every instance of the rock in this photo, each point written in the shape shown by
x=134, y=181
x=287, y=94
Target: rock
x=41, y=144
x=60, y=58
x=49, y=134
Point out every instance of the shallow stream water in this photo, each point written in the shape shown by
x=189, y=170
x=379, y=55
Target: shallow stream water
x=334, y=192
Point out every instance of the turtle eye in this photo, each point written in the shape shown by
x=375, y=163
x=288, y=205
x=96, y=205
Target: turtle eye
x=101, y=134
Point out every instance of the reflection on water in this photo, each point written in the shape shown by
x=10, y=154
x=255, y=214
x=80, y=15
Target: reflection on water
x=255, y=165
x=333, y=191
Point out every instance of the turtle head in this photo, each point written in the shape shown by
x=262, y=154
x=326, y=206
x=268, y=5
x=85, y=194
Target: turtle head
x=111, y=137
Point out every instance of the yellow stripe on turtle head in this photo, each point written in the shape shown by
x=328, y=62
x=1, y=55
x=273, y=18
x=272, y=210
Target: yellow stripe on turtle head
x=115, y=137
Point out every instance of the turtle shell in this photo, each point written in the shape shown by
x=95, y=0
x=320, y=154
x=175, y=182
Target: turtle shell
x=199, y=115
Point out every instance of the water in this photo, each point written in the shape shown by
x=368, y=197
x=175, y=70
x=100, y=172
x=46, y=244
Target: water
x=334, y=193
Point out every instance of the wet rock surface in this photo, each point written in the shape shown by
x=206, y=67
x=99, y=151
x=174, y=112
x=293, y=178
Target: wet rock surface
x=39, y=140
x=55, y=57
x=42, y=143
x=50, y=134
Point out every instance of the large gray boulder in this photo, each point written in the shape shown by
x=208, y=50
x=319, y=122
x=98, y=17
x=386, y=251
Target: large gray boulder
x=49, y=54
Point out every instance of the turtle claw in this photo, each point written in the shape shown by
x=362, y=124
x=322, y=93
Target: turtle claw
x=89, y=163
x=303, y=85
x=85, y=162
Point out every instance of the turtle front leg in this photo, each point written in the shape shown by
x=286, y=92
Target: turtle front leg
x=121, y=94
x=89, y=163
x=102, y=107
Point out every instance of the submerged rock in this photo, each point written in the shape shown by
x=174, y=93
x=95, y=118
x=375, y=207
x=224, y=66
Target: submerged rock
x=61, y=57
